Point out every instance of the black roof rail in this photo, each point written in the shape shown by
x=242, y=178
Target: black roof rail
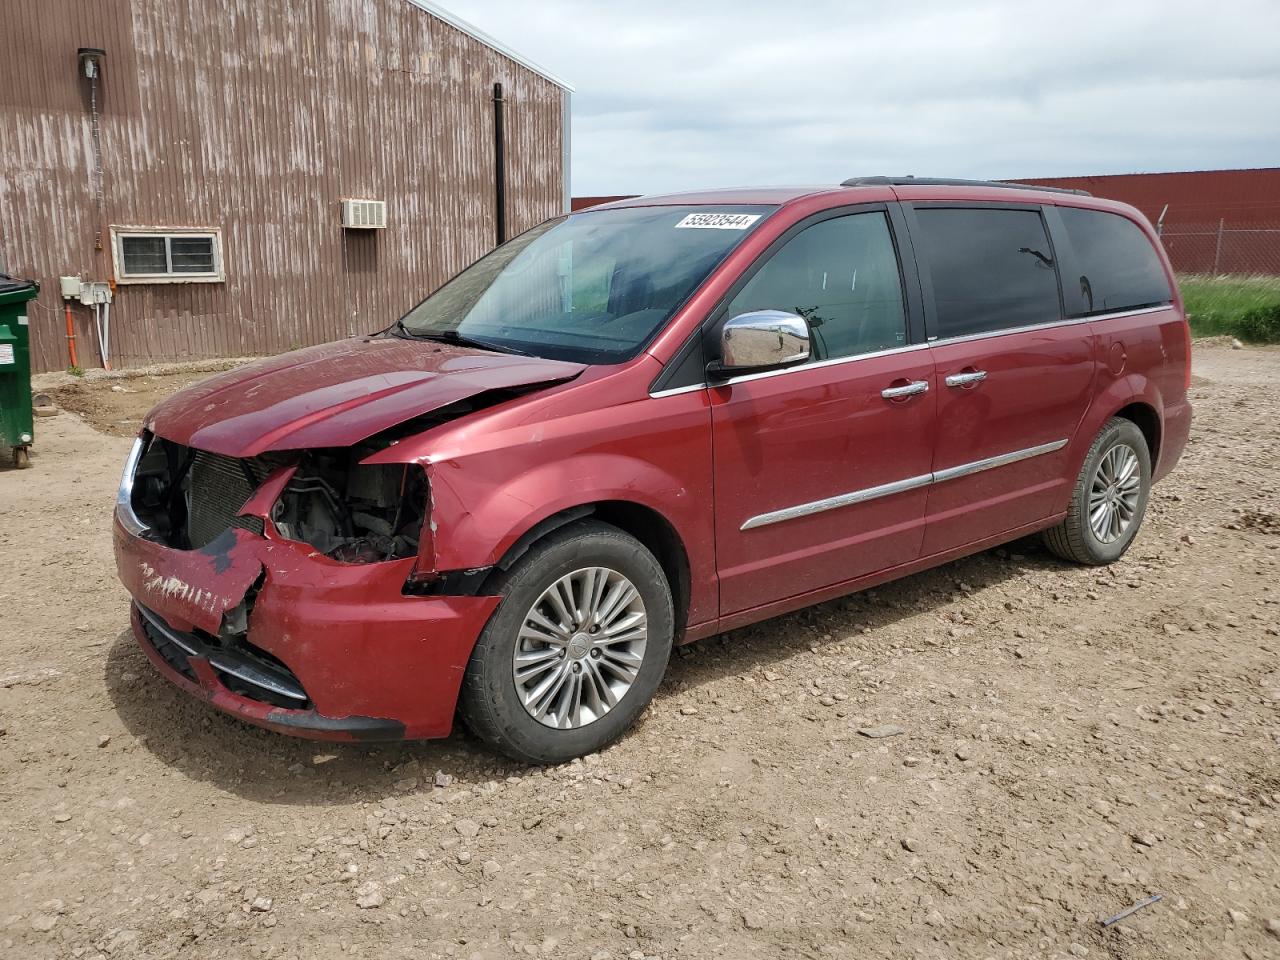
x=949, y=182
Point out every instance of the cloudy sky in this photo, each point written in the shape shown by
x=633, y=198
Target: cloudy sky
x=678, y=95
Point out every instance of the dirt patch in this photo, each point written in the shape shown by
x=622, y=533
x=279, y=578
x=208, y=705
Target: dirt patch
x=117, y=405
x=1074, y=740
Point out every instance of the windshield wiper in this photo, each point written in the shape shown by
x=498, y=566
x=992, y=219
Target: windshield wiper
x=453, y=337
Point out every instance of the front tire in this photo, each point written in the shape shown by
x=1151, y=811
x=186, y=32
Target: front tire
x=575, y=651
x=1109, y=499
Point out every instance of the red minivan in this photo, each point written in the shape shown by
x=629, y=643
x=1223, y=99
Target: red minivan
x=639, y=425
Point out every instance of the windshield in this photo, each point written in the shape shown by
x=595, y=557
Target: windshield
x=593, y=287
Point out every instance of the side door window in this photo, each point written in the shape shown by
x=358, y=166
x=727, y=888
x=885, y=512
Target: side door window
x=842, y=276
x=990, y=268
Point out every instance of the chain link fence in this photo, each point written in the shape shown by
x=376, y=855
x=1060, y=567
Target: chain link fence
x=1219, y=249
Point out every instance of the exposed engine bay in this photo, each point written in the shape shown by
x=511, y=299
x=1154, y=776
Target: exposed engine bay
x=348, y=511
x=352, y=512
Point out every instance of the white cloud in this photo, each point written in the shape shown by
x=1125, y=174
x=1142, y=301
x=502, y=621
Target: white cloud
x=675, y=96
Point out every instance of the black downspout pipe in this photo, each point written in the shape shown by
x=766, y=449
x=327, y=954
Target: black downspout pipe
x=499, y=162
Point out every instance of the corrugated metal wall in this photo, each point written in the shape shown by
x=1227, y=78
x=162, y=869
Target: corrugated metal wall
x=1215, y=221
x=1241, y=197
x=257, y=118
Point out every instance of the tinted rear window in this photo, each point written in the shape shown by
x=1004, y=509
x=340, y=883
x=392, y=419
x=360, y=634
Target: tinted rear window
x=992, y=269
x=1119, y=269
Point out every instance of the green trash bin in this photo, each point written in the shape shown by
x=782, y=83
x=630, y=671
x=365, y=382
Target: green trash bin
x=17, y=429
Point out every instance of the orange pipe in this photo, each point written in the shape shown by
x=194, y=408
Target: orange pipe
x=71, y=337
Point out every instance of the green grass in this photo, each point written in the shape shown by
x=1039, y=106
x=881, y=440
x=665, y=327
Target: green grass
x=1244, y=307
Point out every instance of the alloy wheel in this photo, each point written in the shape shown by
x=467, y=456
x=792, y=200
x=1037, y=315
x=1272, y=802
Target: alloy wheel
x=580, y=648
x=1115, y=493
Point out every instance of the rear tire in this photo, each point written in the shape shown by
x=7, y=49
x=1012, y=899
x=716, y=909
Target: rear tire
x=1109, y=499
x=577, y=686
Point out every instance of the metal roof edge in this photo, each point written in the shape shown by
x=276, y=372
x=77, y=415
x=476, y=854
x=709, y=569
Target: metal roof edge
x=436, y=10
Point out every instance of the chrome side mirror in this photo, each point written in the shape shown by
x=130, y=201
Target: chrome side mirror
x=762, y=339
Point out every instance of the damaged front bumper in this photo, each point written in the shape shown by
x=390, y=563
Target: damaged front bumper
x=332, y=651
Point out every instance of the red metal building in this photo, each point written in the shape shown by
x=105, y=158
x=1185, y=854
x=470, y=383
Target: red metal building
x=1211, y=221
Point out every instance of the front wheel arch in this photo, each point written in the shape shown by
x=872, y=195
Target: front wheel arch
x=647, y=525
x=491, y=700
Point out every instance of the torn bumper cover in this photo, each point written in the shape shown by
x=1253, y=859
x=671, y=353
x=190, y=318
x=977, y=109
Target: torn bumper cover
x=281, y=574
x=332, y=651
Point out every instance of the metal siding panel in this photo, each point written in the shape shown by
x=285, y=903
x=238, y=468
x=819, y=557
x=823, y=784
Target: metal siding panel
x=259, y=129
x=1243, y=197
x=1218, y=221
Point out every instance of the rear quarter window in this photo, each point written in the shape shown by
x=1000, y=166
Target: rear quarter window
x=991, y=269
x=1117, y=267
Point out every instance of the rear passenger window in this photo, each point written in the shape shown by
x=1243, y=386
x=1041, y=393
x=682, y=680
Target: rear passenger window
x=1119, y=269
x=991, y=269
x=842, y=276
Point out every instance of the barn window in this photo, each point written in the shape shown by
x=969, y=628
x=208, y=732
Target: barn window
x=145, y=255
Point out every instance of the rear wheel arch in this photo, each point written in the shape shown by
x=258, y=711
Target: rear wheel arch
x=646, y=524
x=1145, y=418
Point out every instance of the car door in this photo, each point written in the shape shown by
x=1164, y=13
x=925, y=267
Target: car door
x=820, y=470
x=1013, y=379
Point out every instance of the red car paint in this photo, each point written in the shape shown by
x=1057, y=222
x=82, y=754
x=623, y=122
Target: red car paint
x=336, y=394
x=359, y=646
x=696, y=462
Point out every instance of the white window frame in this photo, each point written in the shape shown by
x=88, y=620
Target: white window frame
x=117, y=254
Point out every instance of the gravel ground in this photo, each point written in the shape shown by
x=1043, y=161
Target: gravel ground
x=1072, y=740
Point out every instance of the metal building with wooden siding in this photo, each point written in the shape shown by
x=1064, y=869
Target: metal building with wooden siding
x=199, y=176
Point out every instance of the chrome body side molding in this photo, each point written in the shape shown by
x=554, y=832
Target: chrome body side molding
x=842, y=500
x=899, y=486
x=990, y=463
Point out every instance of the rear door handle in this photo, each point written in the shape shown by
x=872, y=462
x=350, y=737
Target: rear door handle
x=906, y=390
x=966, y=379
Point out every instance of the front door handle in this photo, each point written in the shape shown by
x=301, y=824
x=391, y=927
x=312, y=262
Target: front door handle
x=967, y=379
x=906, y=390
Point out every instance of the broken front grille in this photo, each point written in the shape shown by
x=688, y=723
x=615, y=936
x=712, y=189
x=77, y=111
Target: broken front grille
x=349, y=510
x=220, y=486
x=242, y=668
x=170, y=652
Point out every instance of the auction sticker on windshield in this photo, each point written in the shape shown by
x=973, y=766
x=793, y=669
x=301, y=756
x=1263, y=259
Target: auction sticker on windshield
x=719, y=221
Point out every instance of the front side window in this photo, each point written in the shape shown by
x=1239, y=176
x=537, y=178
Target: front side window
x=593, y=287
x=151, y=256
x=842, y=276
x=991, y=269
x=1119, y=269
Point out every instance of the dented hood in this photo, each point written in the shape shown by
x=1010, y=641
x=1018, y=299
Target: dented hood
x=338, y=394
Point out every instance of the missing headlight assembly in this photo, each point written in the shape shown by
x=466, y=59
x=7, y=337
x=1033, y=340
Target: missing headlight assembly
x=351, y=512
x=186, y=498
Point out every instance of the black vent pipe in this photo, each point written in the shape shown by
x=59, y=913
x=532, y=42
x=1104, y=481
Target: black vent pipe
x=499, y=163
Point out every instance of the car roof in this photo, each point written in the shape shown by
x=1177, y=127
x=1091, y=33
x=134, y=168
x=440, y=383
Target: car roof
x=906, y=188
x=727, y=196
